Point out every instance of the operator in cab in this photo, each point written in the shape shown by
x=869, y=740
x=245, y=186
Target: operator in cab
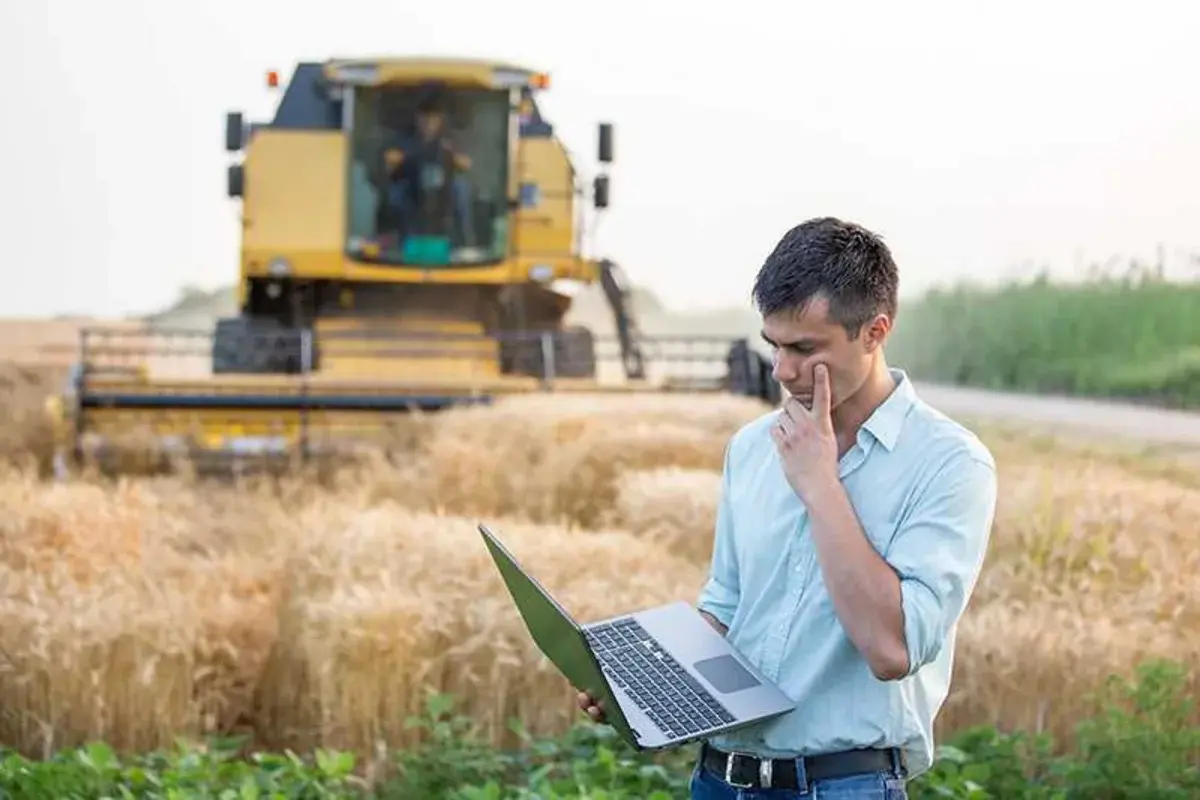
x=421, y=167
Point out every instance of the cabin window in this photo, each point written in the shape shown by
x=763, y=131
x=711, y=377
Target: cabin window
x=429, y=176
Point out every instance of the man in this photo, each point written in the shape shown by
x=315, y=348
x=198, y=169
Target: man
x=851, y=529
x=418, y=168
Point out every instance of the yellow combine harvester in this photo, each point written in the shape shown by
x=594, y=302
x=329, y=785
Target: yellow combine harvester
x=407, y=226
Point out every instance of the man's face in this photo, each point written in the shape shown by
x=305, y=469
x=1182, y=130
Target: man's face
x=430, y=123
x=801, y=341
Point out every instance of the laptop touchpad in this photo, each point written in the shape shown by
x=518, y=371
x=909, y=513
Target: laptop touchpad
x=726, y=674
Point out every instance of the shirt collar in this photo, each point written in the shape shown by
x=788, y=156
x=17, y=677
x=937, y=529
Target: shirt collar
x=887, y=420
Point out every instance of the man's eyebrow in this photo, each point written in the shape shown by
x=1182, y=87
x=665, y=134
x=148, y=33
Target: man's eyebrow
x=802, y=342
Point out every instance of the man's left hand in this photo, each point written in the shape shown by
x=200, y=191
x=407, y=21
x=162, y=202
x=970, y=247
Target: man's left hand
x=806, y=440
x=461, y=160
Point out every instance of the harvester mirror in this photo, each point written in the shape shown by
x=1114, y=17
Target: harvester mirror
x=235, y=131
x=606, y=142
x=600, y=191
x=235, y=180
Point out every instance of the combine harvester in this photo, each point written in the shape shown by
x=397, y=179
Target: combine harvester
x=371, y=287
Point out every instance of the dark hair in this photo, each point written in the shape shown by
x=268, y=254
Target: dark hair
x=431, y=97
x=826, y=257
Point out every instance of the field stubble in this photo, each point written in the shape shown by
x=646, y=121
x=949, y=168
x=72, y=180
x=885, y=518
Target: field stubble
x=320, y=614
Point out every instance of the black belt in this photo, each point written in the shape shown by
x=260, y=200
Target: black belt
x=750, y=772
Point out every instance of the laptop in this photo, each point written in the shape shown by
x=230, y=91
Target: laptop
x=663, y=675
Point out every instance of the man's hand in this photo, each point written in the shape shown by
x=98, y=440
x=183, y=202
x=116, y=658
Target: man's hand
x=461, y=161
x=392, y=157
x=591, y=706
x=806, y=440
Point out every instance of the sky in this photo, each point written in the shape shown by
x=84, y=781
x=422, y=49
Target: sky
x=980, y=140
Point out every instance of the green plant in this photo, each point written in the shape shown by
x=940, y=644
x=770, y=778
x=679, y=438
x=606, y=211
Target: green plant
x=1144, y=745
x=450, y=757
x=211, y=771
x=1108, y=337
x=982, y=762
x=589, y=761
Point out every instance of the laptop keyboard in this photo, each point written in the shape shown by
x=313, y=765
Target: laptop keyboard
x=676, y=702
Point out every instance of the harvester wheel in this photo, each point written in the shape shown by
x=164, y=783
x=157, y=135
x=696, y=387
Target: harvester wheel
x=243, y=345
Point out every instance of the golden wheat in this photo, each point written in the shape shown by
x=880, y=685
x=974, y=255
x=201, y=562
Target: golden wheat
x=321, y=614
x=26, y=436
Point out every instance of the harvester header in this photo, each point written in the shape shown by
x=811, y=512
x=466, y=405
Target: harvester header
x=410, y=231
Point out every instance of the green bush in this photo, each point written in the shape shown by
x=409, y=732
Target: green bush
x=1144, y=745
x=1124, y=339
x=214, y=771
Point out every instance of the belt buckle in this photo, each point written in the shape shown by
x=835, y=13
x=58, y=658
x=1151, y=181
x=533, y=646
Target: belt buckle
x=729, y=772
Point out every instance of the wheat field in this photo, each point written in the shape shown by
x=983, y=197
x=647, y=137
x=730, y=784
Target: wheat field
x=319, y=613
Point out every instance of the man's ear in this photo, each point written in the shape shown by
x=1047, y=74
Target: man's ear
x=876, y=331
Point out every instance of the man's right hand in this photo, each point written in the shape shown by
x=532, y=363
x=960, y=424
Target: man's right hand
x=591, y=706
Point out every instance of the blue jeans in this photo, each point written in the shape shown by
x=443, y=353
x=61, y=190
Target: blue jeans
x=867, y=786
x=399, y=197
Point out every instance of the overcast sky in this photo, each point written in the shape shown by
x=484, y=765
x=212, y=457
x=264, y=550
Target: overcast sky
x=973, y=140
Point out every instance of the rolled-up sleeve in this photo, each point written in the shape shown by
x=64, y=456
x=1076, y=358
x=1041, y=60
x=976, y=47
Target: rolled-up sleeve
x=719, y=596
x=939, y=549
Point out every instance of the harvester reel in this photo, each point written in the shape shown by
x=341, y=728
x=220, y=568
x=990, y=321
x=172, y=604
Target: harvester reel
x=750, y=374
x=243, y=345
x=574, y=355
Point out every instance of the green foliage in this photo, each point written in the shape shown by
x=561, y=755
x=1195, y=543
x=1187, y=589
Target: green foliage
x=589, y=762
x=214, y=771
x=1126, y=339
x=1143, y=745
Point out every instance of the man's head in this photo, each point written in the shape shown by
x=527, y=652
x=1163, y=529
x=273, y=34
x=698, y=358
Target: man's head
x=430, y=121
x=431, y=115
x=827, y=294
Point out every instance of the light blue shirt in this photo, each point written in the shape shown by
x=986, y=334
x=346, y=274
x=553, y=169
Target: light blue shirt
x=924, y=489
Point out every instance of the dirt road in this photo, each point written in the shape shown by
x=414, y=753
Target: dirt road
x=1157, y=426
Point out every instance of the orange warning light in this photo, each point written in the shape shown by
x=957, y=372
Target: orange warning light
x=272, y=79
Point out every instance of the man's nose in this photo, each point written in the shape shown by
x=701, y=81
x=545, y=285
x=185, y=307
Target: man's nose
x=785, y=369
